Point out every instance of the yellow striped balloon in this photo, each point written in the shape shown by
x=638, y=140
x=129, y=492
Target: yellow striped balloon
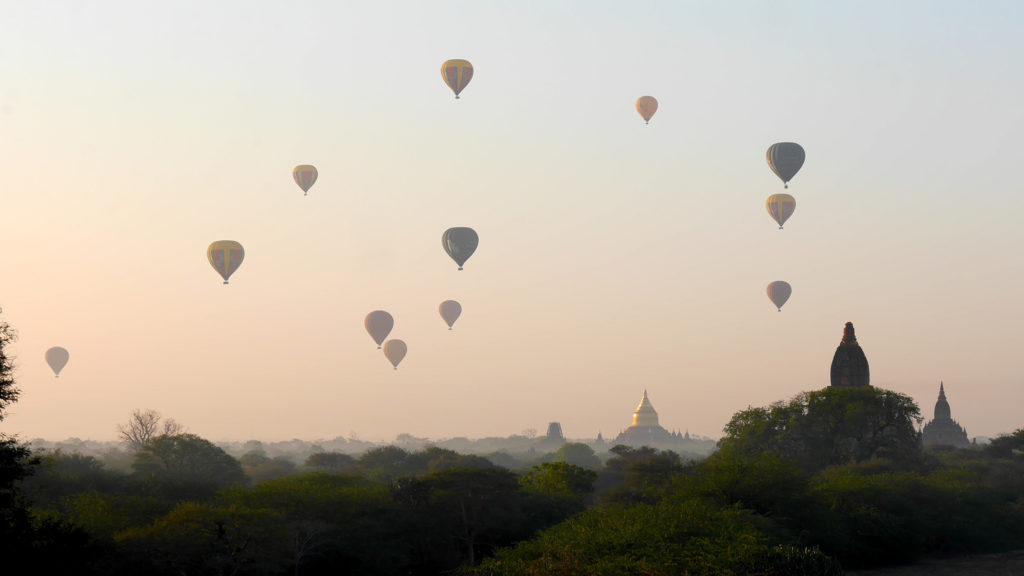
x=457, y=74
x=225, y=256
x=781, y=207
x=646, y=106
x=779, y=292
x=785, y=159
x=305, y=176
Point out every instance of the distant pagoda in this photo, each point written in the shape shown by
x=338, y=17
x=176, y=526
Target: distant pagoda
x=849, y=364
x=645, y=430
x=943, y=430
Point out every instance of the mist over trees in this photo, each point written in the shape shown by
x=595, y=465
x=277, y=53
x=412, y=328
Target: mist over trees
x=828, y=479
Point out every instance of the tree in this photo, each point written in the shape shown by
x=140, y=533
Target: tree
x=330, y=461
x=828, y=427
x=578, y=454
x=144, y=426
x=8, y=391
x=187, y=461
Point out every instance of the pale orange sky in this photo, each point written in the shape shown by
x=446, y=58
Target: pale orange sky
x=614, y=257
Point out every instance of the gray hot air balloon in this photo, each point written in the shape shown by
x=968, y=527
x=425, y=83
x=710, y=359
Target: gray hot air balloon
x=57, y=358
x=395, y=350
x=450, y=311
x=785, y=159
x=460, y=243
x=379, y=324
x=778, y=292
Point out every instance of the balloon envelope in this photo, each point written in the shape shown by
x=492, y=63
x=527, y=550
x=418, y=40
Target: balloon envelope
x=457, y=74
x=781, y=207
x=57, y=358
x=225, y=256
x=646, y=106
x=379, y=324
x=395, y=350
x=785, y=159
x=460, y=243
x=779, y=292
x=305, y=176
x=450, y=311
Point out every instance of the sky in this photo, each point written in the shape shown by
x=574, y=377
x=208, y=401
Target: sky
x=614, y=257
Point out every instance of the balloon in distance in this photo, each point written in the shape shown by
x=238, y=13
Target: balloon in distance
x=457, y=74
x=785, y=159
x=395, y=350
x=379, y=324
x=450, y=311
x=646, y=106
x=778, y=292
x=305, y=176
x=225, y=256
x=460, y=243
x=780, y=207
x=57, y=358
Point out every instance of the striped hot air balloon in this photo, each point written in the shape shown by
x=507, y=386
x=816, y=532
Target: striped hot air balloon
x=785, y=159
x=781, y=207
x=646, y=106
x=305, y=176
x=778, y=292
x=457, y=74
x=225, y=256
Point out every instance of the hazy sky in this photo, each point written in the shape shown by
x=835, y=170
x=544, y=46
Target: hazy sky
x=614, y=257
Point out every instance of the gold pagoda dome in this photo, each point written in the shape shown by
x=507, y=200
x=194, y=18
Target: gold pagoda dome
x=645, y=414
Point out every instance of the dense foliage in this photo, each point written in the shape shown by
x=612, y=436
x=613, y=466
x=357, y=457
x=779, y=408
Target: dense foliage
x=827, y=479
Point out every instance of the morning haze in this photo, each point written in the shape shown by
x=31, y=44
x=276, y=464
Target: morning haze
x=614, y=257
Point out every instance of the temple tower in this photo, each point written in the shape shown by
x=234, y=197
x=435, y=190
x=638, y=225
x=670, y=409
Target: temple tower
x=943, y=430
x=849, y=364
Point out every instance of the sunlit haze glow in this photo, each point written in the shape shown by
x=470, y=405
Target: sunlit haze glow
x=614, y=257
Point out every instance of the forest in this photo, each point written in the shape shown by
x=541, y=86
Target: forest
x=828, y=480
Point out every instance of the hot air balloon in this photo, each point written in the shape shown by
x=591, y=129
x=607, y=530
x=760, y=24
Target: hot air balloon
x=646, y=106
x=785, y=159
x=395, y=350
x=781, y=207
x=379, y=324
x=457, y=74
x=57, y=358
x=778, y=293
x=225, y=256
x=450, y=311
x=460, y=243
x=305, y=176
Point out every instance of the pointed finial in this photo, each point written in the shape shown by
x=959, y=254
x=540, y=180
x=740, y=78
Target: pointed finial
x=942, y=391
x=848, y=336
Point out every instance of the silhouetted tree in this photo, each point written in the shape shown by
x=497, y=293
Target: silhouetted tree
x=143, y=426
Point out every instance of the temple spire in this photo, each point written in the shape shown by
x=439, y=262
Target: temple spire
x=849, y=364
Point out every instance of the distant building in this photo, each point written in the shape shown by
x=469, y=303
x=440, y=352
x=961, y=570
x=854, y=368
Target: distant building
x=849, y=364
x=645, y=430
x=943, y=430
x=551, y=441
